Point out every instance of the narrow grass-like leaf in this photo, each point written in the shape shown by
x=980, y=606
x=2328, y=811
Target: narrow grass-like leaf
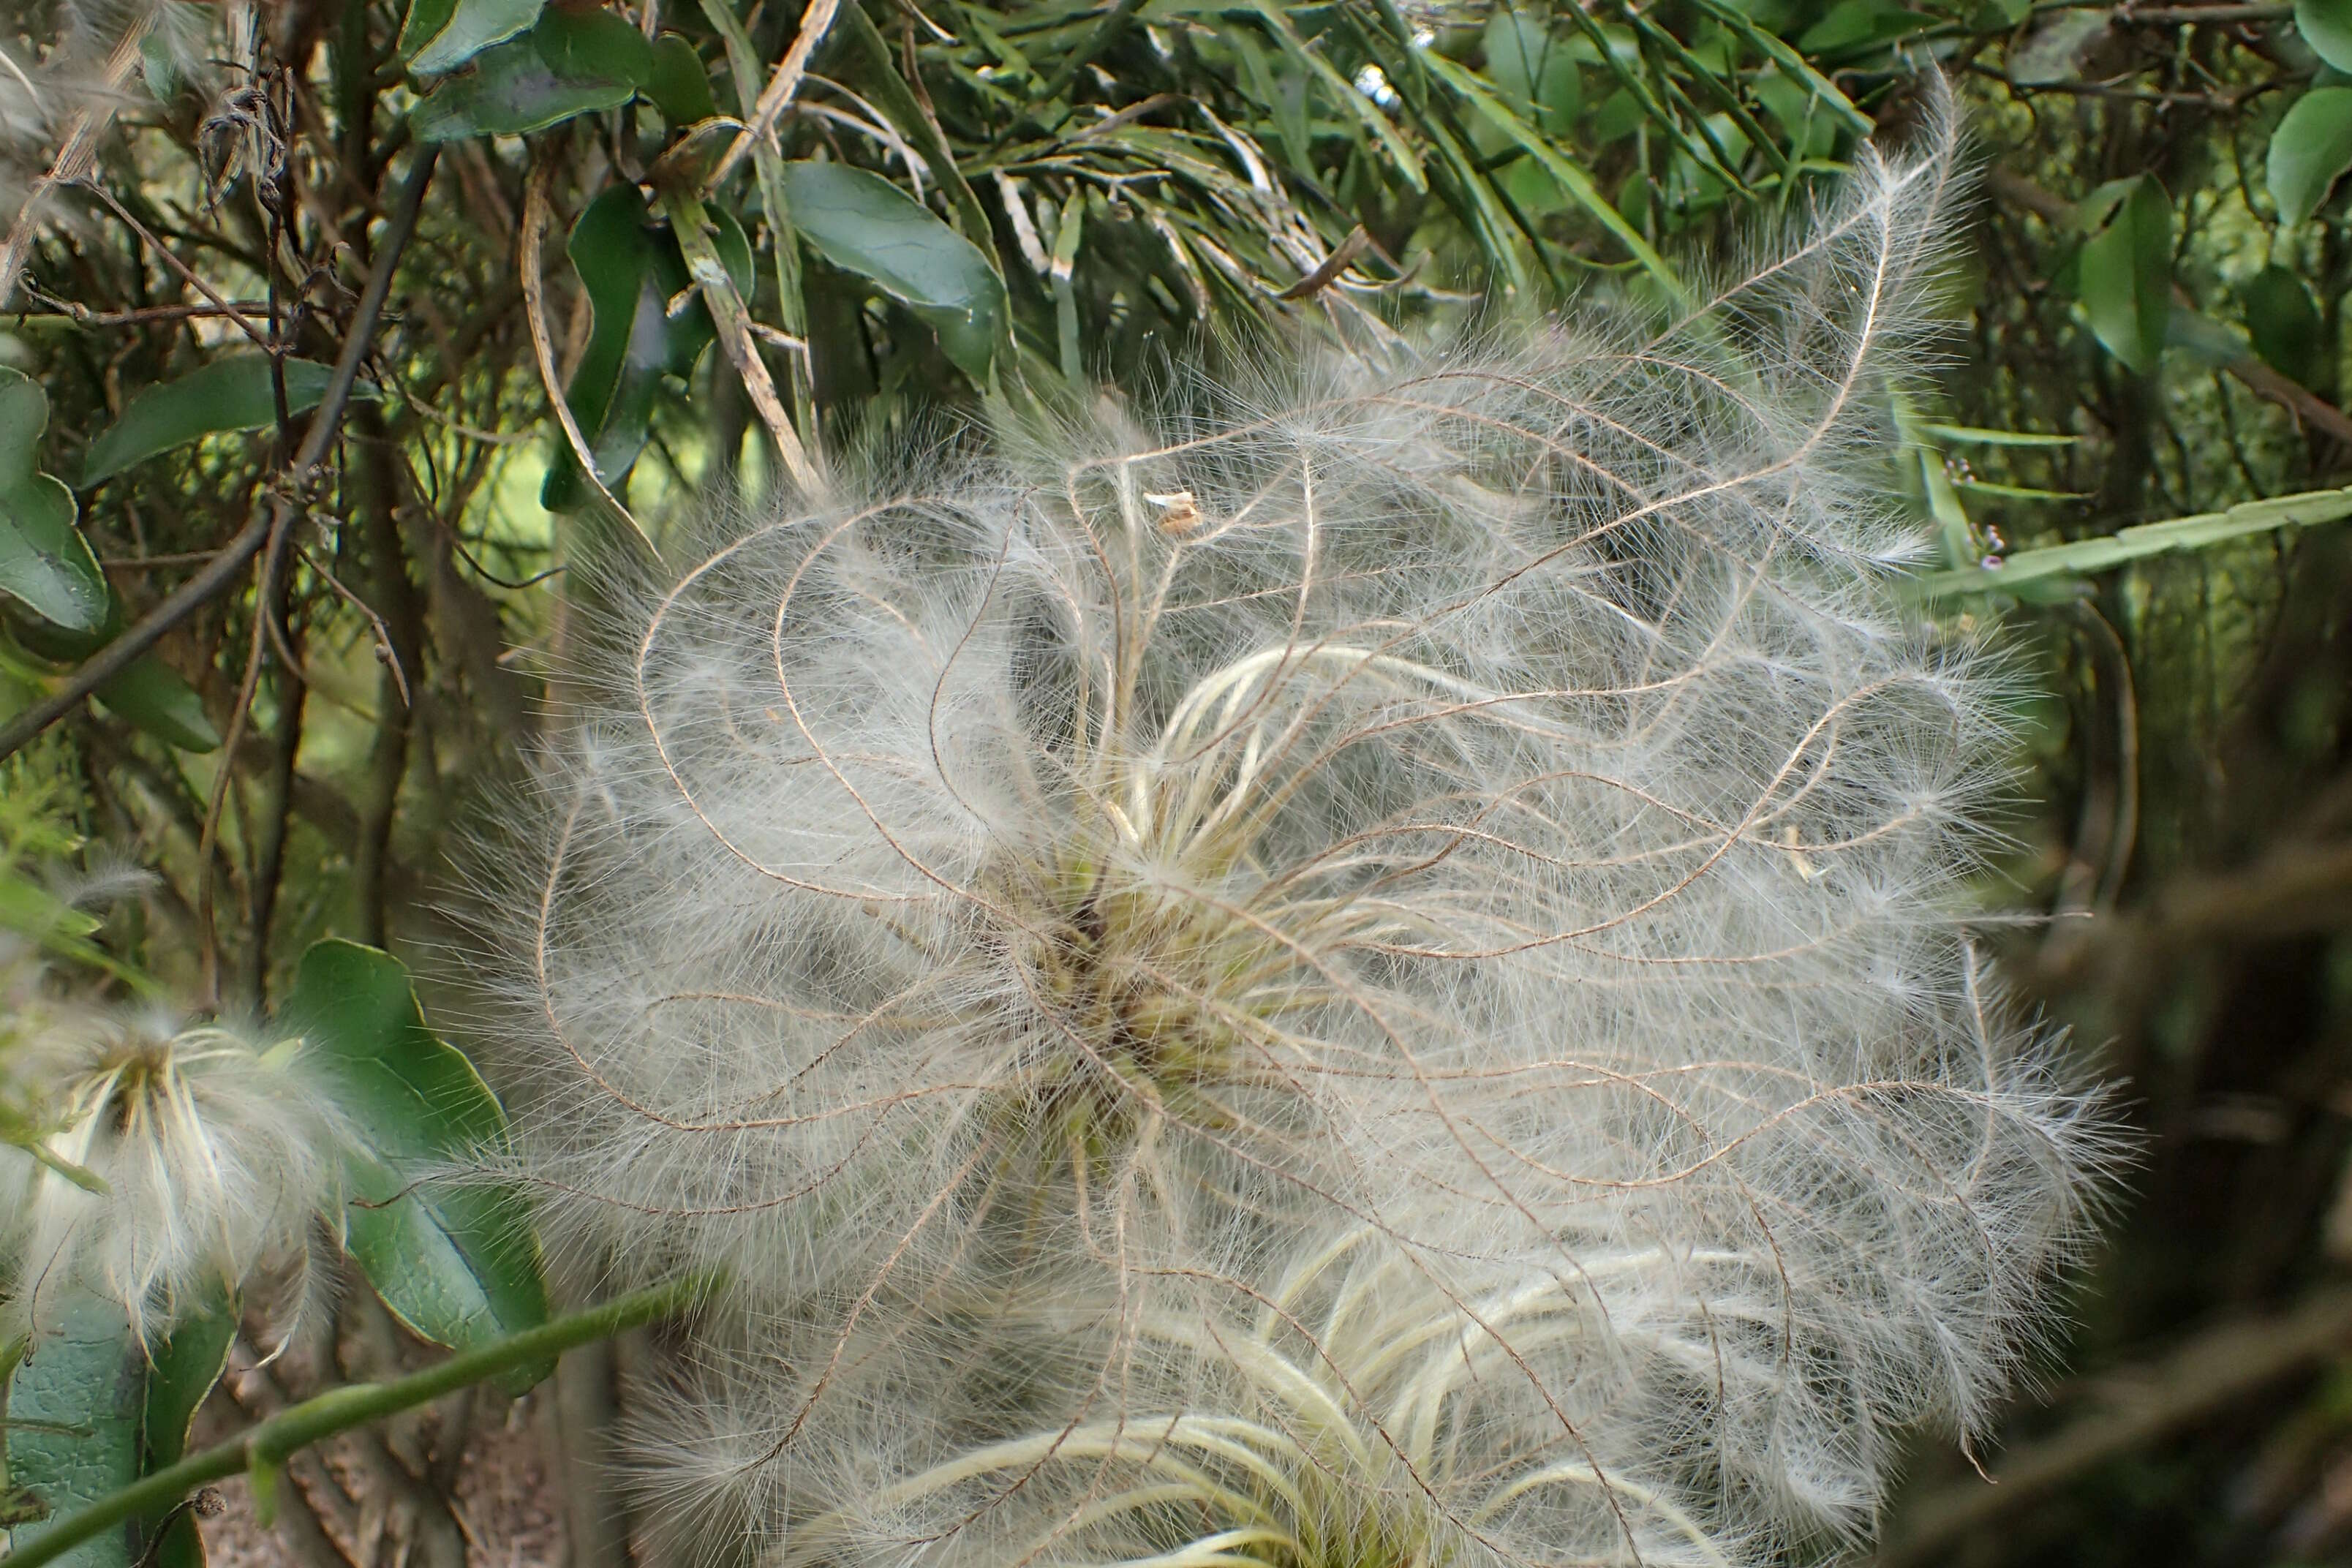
x=1971, y=435
x=2125, y=273
x=2088, y=555
x=1571, y=179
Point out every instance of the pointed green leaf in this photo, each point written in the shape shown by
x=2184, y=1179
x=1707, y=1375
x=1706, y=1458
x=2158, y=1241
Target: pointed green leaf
x=2284, y=321
x=457, y=1262
x=862, y=223
x=631, y=268
x=1571, y=178
x=470, y=27
x=1853, y=26
x=611, y=391
x=2029, y=567
x=1532, y=69
x=1973, y=435
x=2309, y=151
x=151, y=695
x=1339, y=87
x=2124, y=278
x=233, y=392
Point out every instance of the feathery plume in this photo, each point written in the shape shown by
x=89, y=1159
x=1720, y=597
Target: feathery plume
x=1486, y=806
x=171, y=1164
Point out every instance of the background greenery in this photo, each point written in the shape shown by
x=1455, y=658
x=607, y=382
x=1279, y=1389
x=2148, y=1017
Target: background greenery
x=292, y=626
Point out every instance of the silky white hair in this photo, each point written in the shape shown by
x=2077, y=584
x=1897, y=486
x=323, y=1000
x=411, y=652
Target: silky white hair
x=1481, y=818
x=171, y=1164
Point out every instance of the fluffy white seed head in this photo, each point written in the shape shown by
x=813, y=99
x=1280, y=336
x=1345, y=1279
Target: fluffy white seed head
x=1487, y=804
x=171, y=1164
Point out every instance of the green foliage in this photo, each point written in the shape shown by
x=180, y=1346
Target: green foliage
x=2125, y=268
x=44, y=563
x=76, y=1408
x=238, y=392
x=2284, y=321
x=86, y=1409
x=569, y=64
x=862, y=224
x=2326, y=27
x=631, y=269
x=2309, y=151
x=440, y=36
x=457, y=1263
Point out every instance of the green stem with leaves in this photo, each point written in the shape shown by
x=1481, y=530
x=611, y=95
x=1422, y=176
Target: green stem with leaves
x=263, y=1450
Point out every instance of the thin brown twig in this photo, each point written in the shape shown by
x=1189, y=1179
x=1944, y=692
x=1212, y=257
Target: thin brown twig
x=390, y=654
x=816, y=21
x=188, y=274
x=229, y=565
x=83, y=316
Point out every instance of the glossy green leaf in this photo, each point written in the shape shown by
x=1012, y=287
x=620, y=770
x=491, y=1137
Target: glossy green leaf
x=466, y=30
x=151, y=695
x=457, y=1262
x=2283, y=319
x=2309, y=151
x=862, y=223
x=593, y=46
x=422, y=21
x=678, y=83
x=45, y=562
x=631, y=268
x=2124, y=276
x=2326, y=27
x=233, y=393
x=75, y=1407
x=563, y=67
